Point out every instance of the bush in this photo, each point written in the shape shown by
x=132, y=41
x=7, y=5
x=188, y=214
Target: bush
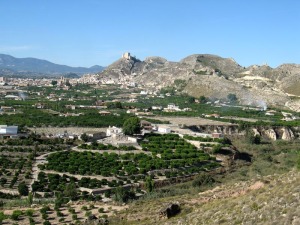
x=203, y=179
x=46, y=222
x=31, y=221
x=23, y=189
x=59, y=214
x=16, y=214
x=88, y=213
x=101, y=210
x=122, y=195
x=74, y=217
x=29, y=212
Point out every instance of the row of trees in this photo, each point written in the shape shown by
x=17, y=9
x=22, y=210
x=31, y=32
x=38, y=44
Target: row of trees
x=33, y=117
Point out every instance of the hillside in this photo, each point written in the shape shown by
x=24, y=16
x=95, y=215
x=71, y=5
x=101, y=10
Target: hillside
x=10, y=66
x=263, y=200
x=263, y=190
x=211, y=76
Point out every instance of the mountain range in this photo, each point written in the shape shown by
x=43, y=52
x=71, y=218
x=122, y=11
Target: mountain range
x=32, y=67
x=212, y=76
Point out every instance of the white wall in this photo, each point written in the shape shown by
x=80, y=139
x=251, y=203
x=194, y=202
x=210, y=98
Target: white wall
x=9, y=130
x=165, y=130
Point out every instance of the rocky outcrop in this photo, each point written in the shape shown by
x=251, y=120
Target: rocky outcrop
x=211, y=76
x=224, y=129
x=287, y=134
x=169, y=210
x=271, y=134
x=255, y=132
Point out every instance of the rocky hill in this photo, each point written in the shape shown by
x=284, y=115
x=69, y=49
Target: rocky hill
x=11, y=66
x=212, y=76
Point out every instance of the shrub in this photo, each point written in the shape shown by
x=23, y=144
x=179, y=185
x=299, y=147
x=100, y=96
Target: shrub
x=85, y=208
x=44, y=216
x=74, y=217
x=88, y=213
x=46, y=222
x=23, y=189
x=29, y=212
x=59, y=214
x=16, y=214
x=101, y=210
x=31, y=221
x=203, y=179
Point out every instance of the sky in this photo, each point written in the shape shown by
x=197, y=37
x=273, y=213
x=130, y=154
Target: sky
x=97, y=32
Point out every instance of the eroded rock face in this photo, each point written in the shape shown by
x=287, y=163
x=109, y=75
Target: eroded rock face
x=255, y=132
x=287, y=134
x=211, y=76
x=270, y=133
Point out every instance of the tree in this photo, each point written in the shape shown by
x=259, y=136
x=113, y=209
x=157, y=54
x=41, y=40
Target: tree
x=46, y=222
x=30, y=198
x=122, y=195
x=3, y=181
x=149, y=184
x=84, y=137
x=232, y=98
x=203, y=179
x=23, y=189
x=70, y=191
x=202, y=99
x=255, y=139
x=54, y=82
x=2, y=217
x=132, y=126
x=191, y=100
x=16, y=214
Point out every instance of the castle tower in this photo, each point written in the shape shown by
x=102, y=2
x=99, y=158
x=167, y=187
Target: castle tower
x=126, y=55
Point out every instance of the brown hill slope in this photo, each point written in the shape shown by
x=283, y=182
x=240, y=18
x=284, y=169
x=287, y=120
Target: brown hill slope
x=264, y=200
x=212, y=76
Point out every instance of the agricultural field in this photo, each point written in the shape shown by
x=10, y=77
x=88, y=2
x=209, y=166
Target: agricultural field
x=47, y=177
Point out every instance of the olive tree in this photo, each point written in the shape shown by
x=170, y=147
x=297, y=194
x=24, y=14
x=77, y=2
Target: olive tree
x=132, y=126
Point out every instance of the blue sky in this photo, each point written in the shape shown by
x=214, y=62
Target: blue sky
x=89, y=32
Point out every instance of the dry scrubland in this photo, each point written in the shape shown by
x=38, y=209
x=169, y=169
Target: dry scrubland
x=266, y=200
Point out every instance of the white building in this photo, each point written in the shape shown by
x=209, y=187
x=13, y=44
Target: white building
x=132, y=139
x=8, y=130
x=111, y=131
x=144, y=93
x=126, y=55
x=164, y=129
x=172, y=108
x=156, y=107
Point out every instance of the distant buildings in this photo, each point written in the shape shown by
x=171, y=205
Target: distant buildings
x=8, y=130
x=172, y=108
x=164, y=129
